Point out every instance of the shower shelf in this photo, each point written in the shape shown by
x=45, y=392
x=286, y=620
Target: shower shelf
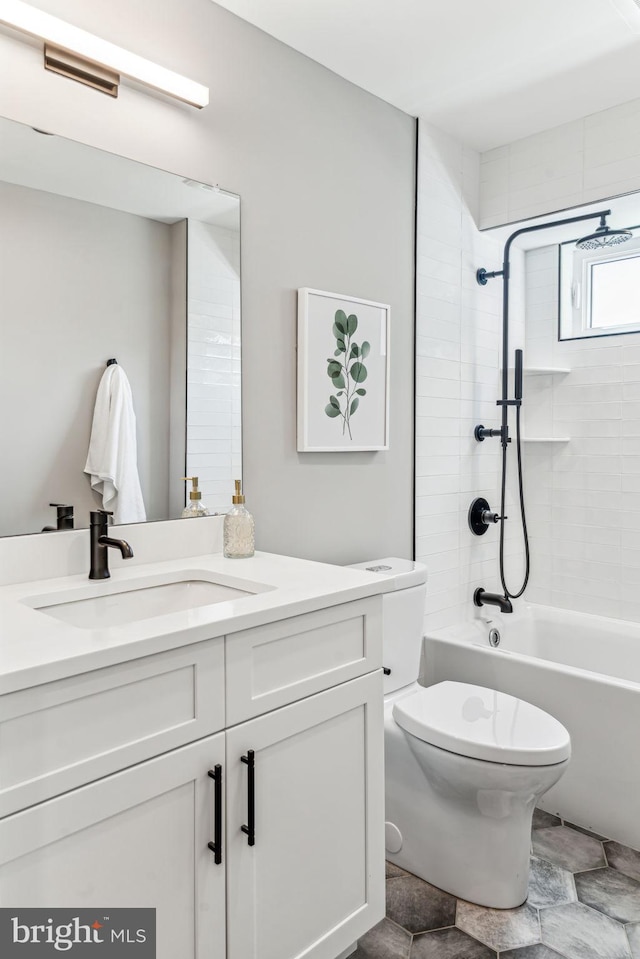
x=543, y=370
x=545, y=439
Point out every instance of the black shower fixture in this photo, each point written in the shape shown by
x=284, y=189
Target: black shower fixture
x=603, y=236
x=482, y=598
x=483, y=277
x=481, y=515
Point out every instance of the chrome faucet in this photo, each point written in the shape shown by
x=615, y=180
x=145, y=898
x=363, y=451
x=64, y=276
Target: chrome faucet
x=100, y=543
x=482, y=598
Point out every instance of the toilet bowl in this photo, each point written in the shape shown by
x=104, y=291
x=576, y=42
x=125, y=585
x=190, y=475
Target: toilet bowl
x=465, y=768
x=464, y=765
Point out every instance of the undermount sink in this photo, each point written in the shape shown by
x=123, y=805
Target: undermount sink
x=118, y=605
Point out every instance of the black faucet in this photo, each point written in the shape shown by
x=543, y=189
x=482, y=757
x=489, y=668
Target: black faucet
x=482, y=598
x=100, y=543
x=64, y=517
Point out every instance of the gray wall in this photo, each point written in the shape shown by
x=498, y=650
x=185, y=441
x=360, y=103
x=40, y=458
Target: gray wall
x=326, y=175
x=64, y=324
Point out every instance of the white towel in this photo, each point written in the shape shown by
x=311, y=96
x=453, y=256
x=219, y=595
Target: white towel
x=112, y=462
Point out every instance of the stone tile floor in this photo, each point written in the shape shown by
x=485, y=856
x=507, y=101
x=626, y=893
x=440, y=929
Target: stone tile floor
x=583, y=903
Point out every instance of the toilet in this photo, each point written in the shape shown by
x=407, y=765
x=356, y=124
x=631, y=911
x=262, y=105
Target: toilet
x=464, y=765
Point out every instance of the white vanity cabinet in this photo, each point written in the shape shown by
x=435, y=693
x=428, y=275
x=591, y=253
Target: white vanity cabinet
x=296, y=818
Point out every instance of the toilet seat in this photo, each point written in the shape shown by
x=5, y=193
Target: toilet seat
x=483, y=724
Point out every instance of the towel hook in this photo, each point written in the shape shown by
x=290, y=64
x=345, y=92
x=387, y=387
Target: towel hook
x=112, y=361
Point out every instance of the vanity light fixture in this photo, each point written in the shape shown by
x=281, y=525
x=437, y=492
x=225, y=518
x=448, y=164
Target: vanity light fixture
x=84, y=57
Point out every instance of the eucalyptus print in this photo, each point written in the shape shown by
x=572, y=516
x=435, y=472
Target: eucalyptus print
x=346, y=371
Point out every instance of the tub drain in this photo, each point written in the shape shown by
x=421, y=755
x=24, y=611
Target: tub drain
x=494, y=637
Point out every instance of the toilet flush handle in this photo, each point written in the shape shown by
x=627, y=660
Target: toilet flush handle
x=386, y=670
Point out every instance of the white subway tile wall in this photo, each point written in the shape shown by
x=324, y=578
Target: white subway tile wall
x=214, y=446
x=578, y=162
x=583, y=497
x=458, y=342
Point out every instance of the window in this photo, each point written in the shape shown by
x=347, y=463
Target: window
x=599, y=290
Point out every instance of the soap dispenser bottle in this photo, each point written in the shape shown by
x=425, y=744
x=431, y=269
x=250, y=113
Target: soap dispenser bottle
x=195, y=507
x=239, y=532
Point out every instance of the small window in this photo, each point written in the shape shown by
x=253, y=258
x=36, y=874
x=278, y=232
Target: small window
x=599, y=290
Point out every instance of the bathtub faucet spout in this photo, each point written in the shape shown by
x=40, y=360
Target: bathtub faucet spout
x=482, y=598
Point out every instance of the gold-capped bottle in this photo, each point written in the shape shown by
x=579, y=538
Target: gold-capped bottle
x=239, y=531
x=195, y=507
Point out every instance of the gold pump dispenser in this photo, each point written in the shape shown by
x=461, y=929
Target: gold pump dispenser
x=195, y=507
x=238, y=531
x=194, y=492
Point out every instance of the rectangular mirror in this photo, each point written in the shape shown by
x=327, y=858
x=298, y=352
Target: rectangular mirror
x=103, y=258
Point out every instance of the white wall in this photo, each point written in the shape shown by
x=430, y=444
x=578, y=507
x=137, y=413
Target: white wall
x=326, y=173
x=583, y=496
x=214, y=452
x=594, y=157
x=458, y=347
x=65, y=323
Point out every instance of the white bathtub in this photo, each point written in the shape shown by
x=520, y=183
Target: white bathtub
x=585, y=671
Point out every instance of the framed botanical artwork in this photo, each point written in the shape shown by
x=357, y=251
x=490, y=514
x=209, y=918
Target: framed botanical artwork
x=343, y=373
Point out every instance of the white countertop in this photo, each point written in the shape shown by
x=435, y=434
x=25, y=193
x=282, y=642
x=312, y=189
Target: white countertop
x=36, y=648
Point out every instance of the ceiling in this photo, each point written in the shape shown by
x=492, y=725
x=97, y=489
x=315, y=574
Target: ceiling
x=486, y=72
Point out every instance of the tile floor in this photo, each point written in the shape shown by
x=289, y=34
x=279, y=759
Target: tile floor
x=583, y=903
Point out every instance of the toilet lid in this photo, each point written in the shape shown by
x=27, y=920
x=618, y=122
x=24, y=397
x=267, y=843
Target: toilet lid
x=483, y=724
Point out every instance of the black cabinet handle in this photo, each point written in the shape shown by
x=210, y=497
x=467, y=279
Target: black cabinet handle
x=250, y=828
x=216, y=845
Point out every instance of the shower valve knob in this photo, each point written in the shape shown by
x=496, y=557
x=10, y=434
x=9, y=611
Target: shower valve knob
x=481, y=516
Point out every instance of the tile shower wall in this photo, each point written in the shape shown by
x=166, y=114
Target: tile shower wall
x=458, y=337
x=594, y=157
x=213, y=364
x=583, y=495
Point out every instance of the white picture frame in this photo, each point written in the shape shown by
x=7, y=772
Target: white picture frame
x=343, y=366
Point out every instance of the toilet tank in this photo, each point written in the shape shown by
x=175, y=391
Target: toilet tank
x=403, y=612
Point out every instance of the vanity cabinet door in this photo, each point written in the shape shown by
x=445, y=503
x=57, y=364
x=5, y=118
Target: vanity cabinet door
x=128, y=840
x=313, y=881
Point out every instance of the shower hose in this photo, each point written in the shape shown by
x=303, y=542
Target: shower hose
x=503, y=497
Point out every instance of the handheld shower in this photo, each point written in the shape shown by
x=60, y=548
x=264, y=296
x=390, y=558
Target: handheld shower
x=517, y=391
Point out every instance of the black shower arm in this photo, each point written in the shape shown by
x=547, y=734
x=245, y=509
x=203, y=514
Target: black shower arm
x=546, y=226
x=505, y=302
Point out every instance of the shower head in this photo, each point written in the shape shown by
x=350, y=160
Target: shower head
x=603, y=237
